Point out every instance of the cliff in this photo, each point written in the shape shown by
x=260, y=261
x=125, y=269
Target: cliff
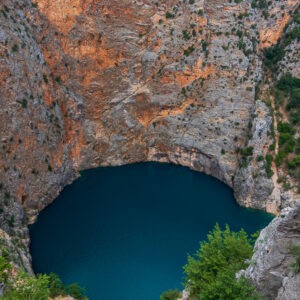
x=94, y=83
x=271, y=267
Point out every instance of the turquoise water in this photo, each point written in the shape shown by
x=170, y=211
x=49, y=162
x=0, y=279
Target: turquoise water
x=124, y=233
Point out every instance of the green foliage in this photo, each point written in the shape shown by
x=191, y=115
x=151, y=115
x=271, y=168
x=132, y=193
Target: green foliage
x=287, y=82
x=27, y=287
x=287, y=141
x=291, y=87
x=45, y=78
x=226, y=287
x=279, y=158
x=23, y=286
x=186, y=35
x=261, y=4
x=5, y=267
x=247, y=151
x=294, y=34
x=268, y=166
x=169, y=15
x=23, y=102
x=293, y=164
x=273, y=55
x=189, y=50
x=170, y=295
x=296, y=253
x=204, y=44
x=56, y=287
x=15, y=48
x=210, y=274
x=75, y=291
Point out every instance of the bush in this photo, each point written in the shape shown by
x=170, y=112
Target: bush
x=27, y=287
x=247, y=151
x=75, y=291
x=56, y=287
x=169, y=15
x=286, y=128
x=273, y=55
x=189, y=50
x=269, y=160
x=22, y=286
x=279, y=158
x=296, y=253
x=170, y=295
x=210, y=274
x=288, y=82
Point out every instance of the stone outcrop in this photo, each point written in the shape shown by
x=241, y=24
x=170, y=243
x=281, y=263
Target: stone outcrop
x=252, y=186
x=271, y=268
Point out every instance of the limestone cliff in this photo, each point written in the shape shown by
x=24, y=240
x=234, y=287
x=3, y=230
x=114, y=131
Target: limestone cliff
x=93, y=83
x=88, y=83
x=271, y=266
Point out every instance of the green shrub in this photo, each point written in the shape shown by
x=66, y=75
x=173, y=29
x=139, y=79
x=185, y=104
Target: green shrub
x=279, y=158
x=273, y=55
x=294, y=163
x=210, y=274
x=27, y=287
x=189, y=50
x=169, y=15
x=170, y=295
x=284, y=127
x=75, y=291
x=15, y=48
x=186, y=35
x=56, y=287
x=247, y=151
x=269, y=160
x=296, y=253
x=23, y=286
x=288, y=82
x=5, y=267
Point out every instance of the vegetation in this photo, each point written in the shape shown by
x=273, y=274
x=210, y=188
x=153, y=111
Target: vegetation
x=245, y=153
x=296, y=252
x=169, y=15
x=275, y=53
x=210, y=274
x=268, y=165
x=170, y=295
x=22, y=286
x=287, y=95
x=189, y=50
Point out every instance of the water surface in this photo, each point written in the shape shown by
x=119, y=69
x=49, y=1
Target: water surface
x=124, y=233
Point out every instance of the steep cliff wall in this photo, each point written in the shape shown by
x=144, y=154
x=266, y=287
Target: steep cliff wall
x=272, y=264
x=92, y=83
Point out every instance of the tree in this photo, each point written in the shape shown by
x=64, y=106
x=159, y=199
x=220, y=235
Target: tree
x=170, y=295
x=5, y=268
x=27, y=287
x=210, y=274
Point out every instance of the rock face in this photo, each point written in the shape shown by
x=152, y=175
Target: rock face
x=87, y=83
x=91, y=83
x=252, y=186
x=271, y=268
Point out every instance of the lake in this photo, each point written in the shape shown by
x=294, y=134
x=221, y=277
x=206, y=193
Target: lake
x=125, y=232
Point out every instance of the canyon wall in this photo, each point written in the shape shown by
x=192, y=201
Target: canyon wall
x=88, y=83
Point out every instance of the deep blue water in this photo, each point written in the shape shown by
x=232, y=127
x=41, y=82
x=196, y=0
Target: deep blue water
x=124, y=233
